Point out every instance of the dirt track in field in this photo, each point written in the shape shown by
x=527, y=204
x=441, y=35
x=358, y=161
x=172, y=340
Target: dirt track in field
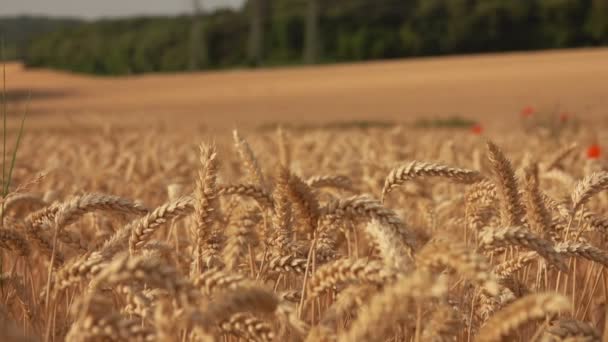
x=490, y=88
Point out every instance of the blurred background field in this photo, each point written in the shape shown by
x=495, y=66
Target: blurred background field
x=259, y=62
x=487, y=88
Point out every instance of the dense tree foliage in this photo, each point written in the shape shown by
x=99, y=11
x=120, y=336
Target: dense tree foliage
x=16, y=32
x=349, y=30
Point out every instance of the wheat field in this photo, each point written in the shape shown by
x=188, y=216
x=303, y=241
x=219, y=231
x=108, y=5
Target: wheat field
x=321, y=234
x=489, y=87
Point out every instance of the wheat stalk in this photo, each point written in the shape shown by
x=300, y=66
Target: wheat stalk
x=20, y=199
x=440, y=252
x=443, y=326
x=238, y=236
x=392, y=250
x=214, y=280
x=349, y=270
x=520, y=236
x=524, y=310
x=249, y=160
x=140, y=231
x=511, y=209
x=205, y=204
x=583, y=250
x=369, y=208
x=537, y=213
x=304, y=200
x=73, y=209
x=418, y=169
x=282, y=218
x=248, y=327
x=284, y=147
x=587, y=188
x=376, y=318
x=255, y=300
x=570, y=330
x=247, y=190
x=12, y=239
x=554, y=161
x=149, y=271
x=330, y=181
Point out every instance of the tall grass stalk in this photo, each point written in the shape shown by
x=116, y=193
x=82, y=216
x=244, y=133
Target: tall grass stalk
x=6, y=178
x=8, y=173
x=7, y=170
x=4, y=115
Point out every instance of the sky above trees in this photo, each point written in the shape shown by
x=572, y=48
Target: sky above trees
x=107, y=8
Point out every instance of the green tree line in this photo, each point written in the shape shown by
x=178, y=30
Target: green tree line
x=16, y=32
x=287, y=32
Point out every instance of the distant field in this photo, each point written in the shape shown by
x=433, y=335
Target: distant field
x=478, y=87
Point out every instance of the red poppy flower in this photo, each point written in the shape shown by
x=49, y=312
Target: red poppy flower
x=527, y=111
x=594, y=151
x=564, y=117
x=476, y=129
